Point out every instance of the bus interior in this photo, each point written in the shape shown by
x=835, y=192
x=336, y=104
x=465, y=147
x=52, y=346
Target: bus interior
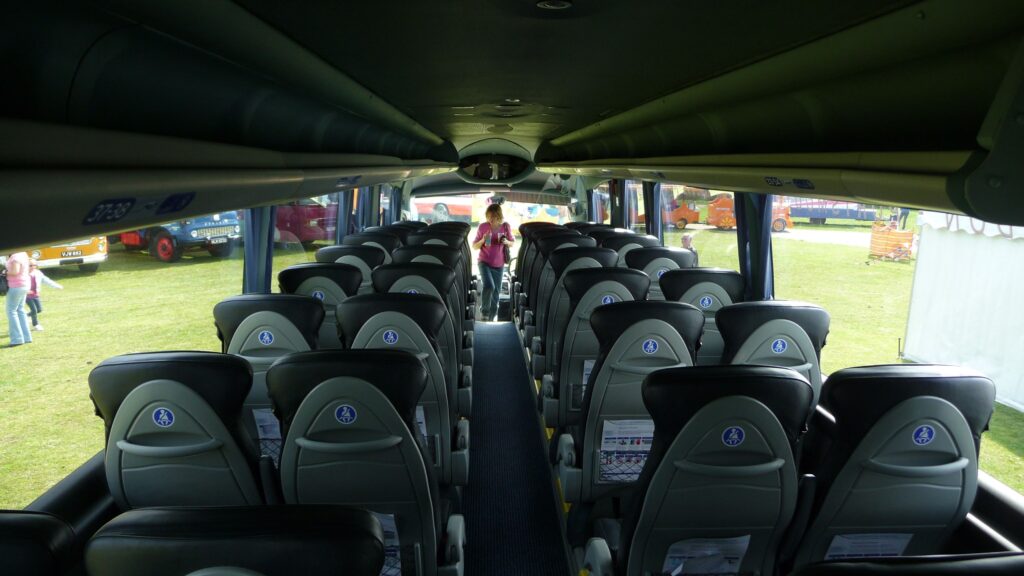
x=681, y=378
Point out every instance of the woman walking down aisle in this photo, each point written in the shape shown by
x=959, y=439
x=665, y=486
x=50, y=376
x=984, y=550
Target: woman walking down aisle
x=492, y=238
x=18, y=280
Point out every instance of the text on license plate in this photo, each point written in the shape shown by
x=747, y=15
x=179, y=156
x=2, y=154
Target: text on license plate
x=69, y=253
x=220, y=240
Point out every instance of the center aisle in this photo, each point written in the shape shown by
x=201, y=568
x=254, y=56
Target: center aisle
x=511, y=518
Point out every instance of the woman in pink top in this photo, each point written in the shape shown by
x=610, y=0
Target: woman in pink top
x=491, y=238
x=18, y=280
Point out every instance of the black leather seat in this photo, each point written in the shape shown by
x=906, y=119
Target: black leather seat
x=366, y=258
x=305, y=313
x=901, y=459
x=328, y=282
x=720, y=465
x=36, y=544
x=709, y=289
x=269, y=540
x=173, y=433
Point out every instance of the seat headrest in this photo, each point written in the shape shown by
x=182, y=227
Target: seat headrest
x=387, y=240
x=399, y=375
x=222, y=380
x=576, y=224
x=641, y=257
x=293, y=539
x=674, y=395
x=858, y=397
x=617, y=241
x=675, y=283
x=603, y=233
x=738, y=321
x=372, y=255
x=451, y=239
x=539, y=234
x=588, y=227
x=36, y=543
x=427, y=311
x=611, y=320
x=345, y=276
x=548, y=244
x=448, y=256
x=401, y=231
x=442, y=277
x=561, y=259
x=527, y=228
x=460, y=228
x=305, y=312
x=577, y=282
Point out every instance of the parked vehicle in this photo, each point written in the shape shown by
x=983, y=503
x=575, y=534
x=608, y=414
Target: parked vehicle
x=443, y=208
x=684, y=214
x=819, y=210
x=218, y=234
x=87, y=254
x=307, y=220
x=721, y=214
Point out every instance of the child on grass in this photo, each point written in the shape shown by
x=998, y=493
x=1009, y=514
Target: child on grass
x=35, y=305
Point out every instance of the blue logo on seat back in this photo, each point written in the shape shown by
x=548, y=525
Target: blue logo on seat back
x=733, y=436
x=163, y=417
x=412, y=291
x=779, y=346
x=608, y=299
x=318, y=294
x=923, y=435
x=266, y=337
x=661, y=272
x=390, y=337
x=706, y=302
x=650, y=346
x=345, y=414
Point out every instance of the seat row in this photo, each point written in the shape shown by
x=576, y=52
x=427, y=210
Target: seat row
x=351, y=437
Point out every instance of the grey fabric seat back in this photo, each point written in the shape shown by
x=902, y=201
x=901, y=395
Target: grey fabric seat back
x=635, y=339
x=434, y=280
x=626, y=243
x=719, y=488
x=173, y=434
x=450, y=257
x=534, y=263
x=526, y=231
x=655, y=261
x=587, y=288
x=261, y=328
x=579, y=248
x=775, y=333
x=709, y=289
x=352, y=437
x=330, y=283
x=600, y=234
x=447, y=238
x=236, y=541
x=366, y=258
x=901, y=467
x=412, y=323
x=384, y=241
x=559, y=307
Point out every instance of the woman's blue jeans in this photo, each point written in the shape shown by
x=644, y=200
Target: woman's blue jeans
x=491, y=280
x=17, y=320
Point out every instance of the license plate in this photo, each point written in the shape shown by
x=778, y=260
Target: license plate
x=70, y=253
x=221, y=240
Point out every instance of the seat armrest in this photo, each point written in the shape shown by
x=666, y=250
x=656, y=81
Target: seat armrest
x=454, y=547
x=597, y=559
x=569, y=476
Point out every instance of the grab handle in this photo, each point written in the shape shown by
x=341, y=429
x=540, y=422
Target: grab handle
x=349, y=447
x=917, y=471
x=168, y=451
x=732, y=471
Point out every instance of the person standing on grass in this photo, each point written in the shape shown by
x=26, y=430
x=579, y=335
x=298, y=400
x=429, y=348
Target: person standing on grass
x=18, y=281
x=492, y=237
x=35, y=305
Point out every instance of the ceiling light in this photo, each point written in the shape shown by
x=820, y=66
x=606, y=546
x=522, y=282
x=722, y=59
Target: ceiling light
x=512, y=100
x=554, y=4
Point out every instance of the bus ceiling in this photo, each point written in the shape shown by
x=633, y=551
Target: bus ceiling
x=252, y=102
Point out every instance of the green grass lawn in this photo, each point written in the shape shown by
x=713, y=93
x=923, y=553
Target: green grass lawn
x=136, y=304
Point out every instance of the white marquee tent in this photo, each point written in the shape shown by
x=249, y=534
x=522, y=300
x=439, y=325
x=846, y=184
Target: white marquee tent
x=967, y=306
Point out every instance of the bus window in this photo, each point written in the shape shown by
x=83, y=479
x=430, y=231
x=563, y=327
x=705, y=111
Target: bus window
x=905, y=286
x=145, y=296
x=635, y=219
x=712, y=235
x=458, y=208
x=602, y=205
